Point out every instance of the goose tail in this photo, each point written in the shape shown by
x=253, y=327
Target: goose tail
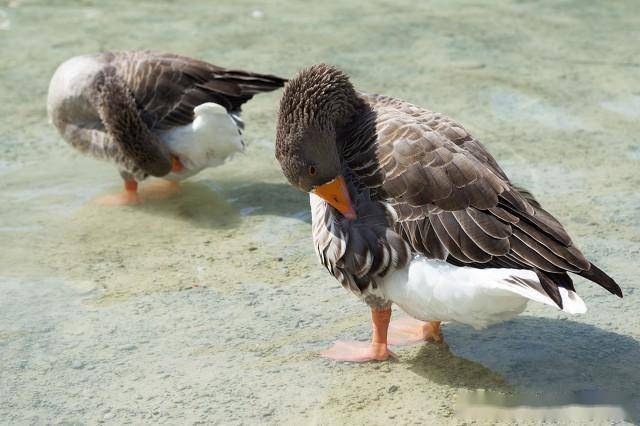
x=596, y=275
x=532, y=288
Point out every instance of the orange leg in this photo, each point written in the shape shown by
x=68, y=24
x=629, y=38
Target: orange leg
x=176, y=164
x=128, y=197
x=131, y=186
x=362, y=351
x=407, y=331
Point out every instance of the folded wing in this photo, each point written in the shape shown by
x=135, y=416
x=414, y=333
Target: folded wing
x=167, y=87
x=455, y=203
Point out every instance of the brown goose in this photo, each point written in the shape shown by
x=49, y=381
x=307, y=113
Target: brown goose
x=435, y=225
x=157, y=114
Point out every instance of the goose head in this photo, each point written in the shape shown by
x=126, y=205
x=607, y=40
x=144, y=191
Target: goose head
x=315, y=103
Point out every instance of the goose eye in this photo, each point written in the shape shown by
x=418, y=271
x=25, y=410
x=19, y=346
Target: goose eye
x=312, y=171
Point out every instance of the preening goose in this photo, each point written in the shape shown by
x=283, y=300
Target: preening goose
x=153, y=114
x=409, y=208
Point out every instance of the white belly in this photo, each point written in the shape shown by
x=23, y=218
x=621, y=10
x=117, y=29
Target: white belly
x=208, y=141
x=433, y=290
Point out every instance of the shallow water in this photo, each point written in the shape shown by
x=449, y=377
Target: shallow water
x=210, y=306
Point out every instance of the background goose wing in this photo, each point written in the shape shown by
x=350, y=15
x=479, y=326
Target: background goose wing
x=167, y=87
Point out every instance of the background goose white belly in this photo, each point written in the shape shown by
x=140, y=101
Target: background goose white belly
x=208, y=141
x=433, y=290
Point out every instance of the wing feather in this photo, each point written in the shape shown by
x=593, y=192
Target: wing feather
x=453, y=201
x=357, y=252
x=167, y=87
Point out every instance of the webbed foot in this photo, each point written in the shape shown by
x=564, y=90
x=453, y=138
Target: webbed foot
x=407, y=331
x=358, y=352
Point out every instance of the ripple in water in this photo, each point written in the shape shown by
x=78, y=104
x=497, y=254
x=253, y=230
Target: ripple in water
x=5, y=23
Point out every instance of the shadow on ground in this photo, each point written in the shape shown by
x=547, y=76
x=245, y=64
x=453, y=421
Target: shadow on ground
x=562, y=362
x=208, y=205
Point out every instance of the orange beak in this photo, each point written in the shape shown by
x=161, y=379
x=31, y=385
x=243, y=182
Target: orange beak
x=337, y=194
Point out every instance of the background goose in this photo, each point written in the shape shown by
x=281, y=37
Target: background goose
x=435, y=225
x=151, y=113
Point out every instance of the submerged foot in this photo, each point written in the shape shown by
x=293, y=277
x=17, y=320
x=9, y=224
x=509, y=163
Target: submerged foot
x=125, y=198
x=407, y=331
x=358, y=352
x=159, y=189
x=155, y=190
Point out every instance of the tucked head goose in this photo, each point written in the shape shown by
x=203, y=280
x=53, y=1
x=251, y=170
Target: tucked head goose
x=409, y=208
x=152, y=113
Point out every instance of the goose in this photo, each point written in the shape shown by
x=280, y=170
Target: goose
x=153, y=114
x=409, y=209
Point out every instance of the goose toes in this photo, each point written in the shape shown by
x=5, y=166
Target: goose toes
x=125, y=198
x=358, y=352
x=160, y=189
x=408, y=331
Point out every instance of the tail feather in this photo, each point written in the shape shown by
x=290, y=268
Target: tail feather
x=573, y=304
x=553, y=282
x=551, y=288
x=562, y=280
x=252, y=83
x=596, y=275
x=570, y=302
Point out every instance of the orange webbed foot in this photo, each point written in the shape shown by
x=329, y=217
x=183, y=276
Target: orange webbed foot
x=160, y=189
x=358, y=352
x=407, y=331
x=125, y=198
